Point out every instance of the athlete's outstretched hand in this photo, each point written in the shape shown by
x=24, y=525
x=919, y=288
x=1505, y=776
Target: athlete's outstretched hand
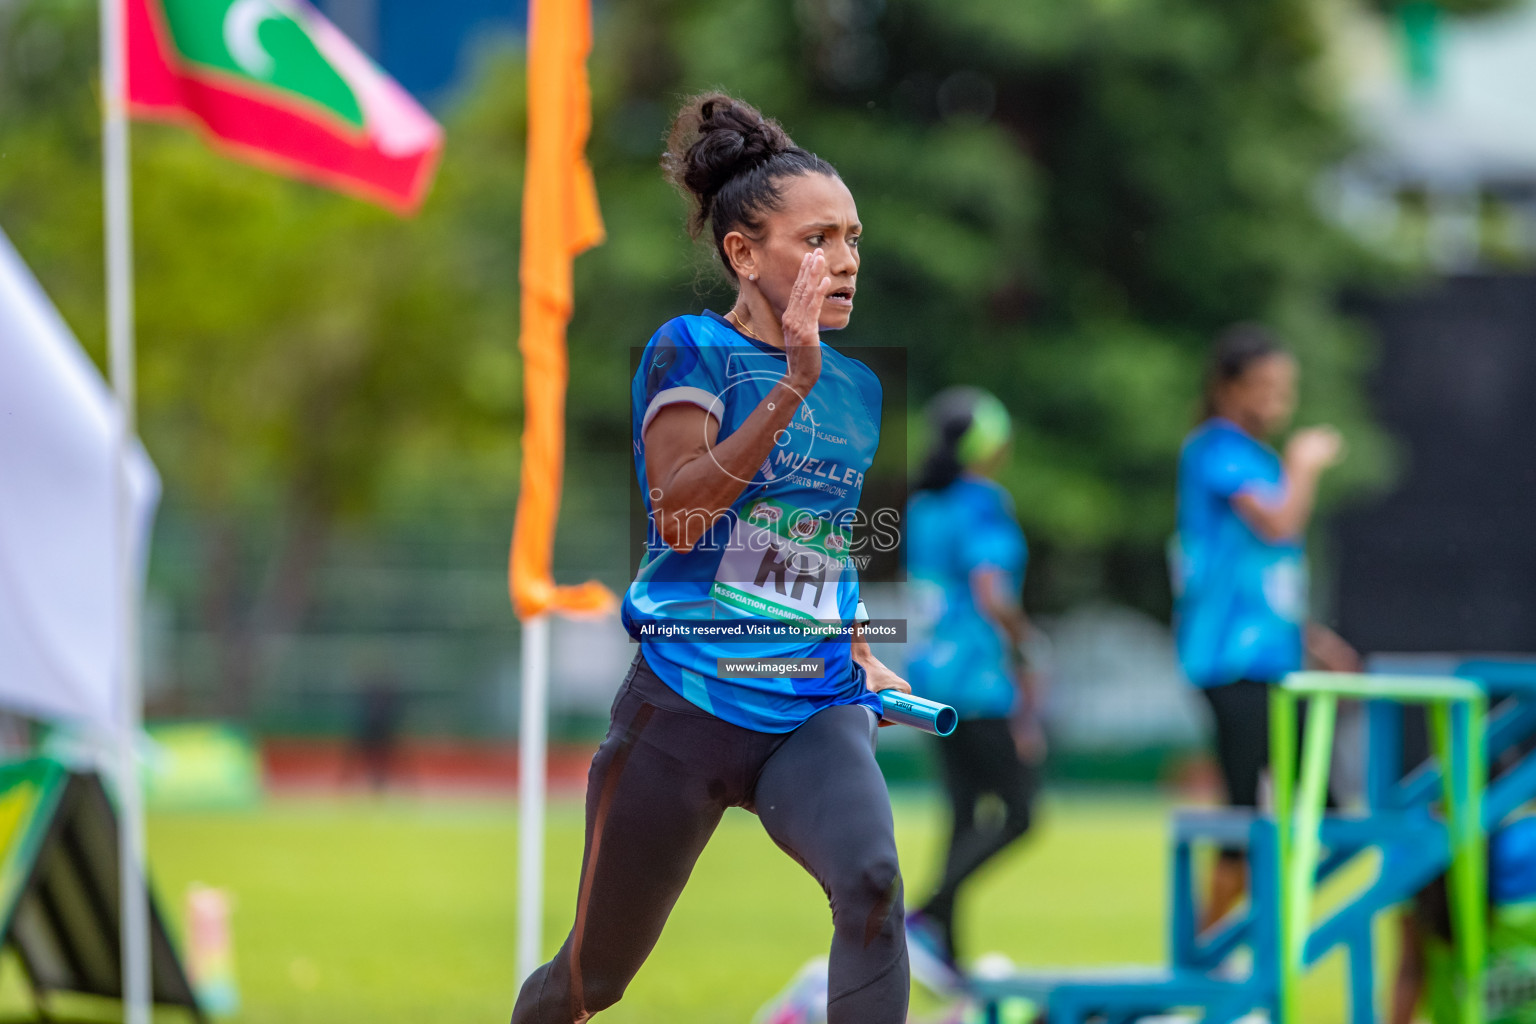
x=1314, y=449
x=801, y=322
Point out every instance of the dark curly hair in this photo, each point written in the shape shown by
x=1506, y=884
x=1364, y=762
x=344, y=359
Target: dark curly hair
x=730, y=162
x=1234, y=351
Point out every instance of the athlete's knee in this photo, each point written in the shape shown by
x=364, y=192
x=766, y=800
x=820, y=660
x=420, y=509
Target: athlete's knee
x=547, y=998
x=876, y=875
x=866, y=893
x=601, y=992
x=1017, y=819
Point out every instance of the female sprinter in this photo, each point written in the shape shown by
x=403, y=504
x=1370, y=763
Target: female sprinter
x=965, y=564
x=751, y=441
x=1239, y=568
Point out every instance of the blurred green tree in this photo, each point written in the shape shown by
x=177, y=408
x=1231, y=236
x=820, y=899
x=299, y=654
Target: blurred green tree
x=298, y=350
x=1064, y=200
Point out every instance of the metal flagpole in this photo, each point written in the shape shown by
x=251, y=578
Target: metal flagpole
x=533, y=729
x=119, y=236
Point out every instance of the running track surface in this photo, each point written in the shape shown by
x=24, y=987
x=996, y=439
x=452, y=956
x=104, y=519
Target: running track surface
x=321, y=765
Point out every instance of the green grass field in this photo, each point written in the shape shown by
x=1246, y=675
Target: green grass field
x=402, y=909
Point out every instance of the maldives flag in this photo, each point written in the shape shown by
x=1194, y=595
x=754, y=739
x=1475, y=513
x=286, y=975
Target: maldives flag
x=275, y=83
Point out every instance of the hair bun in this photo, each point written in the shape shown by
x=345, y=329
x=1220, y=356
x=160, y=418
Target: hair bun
x=714, y=139
x=738, y=127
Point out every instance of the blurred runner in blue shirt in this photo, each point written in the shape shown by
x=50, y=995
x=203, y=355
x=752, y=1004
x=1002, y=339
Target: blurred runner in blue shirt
x=965, y=566
x=1238, y=562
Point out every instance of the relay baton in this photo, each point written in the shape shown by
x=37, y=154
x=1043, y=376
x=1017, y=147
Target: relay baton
x=918, y=712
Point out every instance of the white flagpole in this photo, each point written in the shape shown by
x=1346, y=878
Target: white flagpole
x=119, y=233
x=533, y=730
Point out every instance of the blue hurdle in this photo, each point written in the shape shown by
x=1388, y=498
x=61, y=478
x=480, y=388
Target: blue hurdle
x=1399, y=824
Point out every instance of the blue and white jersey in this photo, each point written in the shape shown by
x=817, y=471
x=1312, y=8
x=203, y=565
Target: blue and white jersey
x=782, y=552
x=959, y=656
x=1240, y=600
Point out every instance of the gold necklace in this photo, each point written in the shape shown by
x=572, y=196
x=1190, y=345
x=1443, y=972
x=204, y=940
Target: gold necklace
x=742, y=326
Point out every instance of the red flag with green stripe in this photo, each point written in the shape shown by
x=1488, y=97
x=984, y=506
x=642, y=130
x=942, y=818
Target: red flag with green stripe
x=274, y=82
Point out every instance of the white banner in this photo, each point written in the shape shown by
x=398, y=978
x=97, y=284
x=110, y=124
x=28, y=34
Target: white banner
x=60, y=620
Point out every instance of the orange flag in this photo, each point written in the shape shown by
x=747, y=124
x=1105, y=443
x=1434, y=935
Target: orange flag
x=560, y=220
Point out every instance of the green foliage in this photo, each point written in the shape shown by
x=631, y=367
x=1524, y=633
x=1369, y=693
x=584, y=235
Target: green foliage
x=1064, y=201
x=290, y=339
x=306, y=360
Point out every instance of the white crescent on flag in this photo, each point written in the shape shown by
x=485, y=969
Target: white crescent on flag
x=242, y=28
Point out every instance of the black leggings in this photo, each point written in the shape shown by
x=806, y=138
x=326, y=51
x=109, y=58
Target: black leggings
x=1240, y=711
x=979, y=759
x=657, y=788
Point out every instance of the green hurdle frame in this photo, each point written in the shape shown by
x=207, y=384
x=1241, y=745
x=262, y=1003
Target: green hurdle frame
x=1458, y=711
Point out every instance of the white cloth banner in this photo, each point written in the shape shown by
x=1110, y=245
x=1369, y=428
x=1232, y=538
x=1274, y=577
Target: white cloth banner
x=60, y=614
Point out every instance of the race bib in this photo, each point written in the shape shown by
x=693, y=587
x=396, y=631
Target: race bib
x=783, y=563
x=1285, y=589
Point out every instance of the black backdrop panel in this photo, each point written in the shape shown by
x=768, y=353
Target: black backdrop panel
x=1447, y=561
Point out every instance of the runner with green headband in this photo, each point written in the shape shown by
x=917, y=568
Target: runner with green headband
x=965, y=562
